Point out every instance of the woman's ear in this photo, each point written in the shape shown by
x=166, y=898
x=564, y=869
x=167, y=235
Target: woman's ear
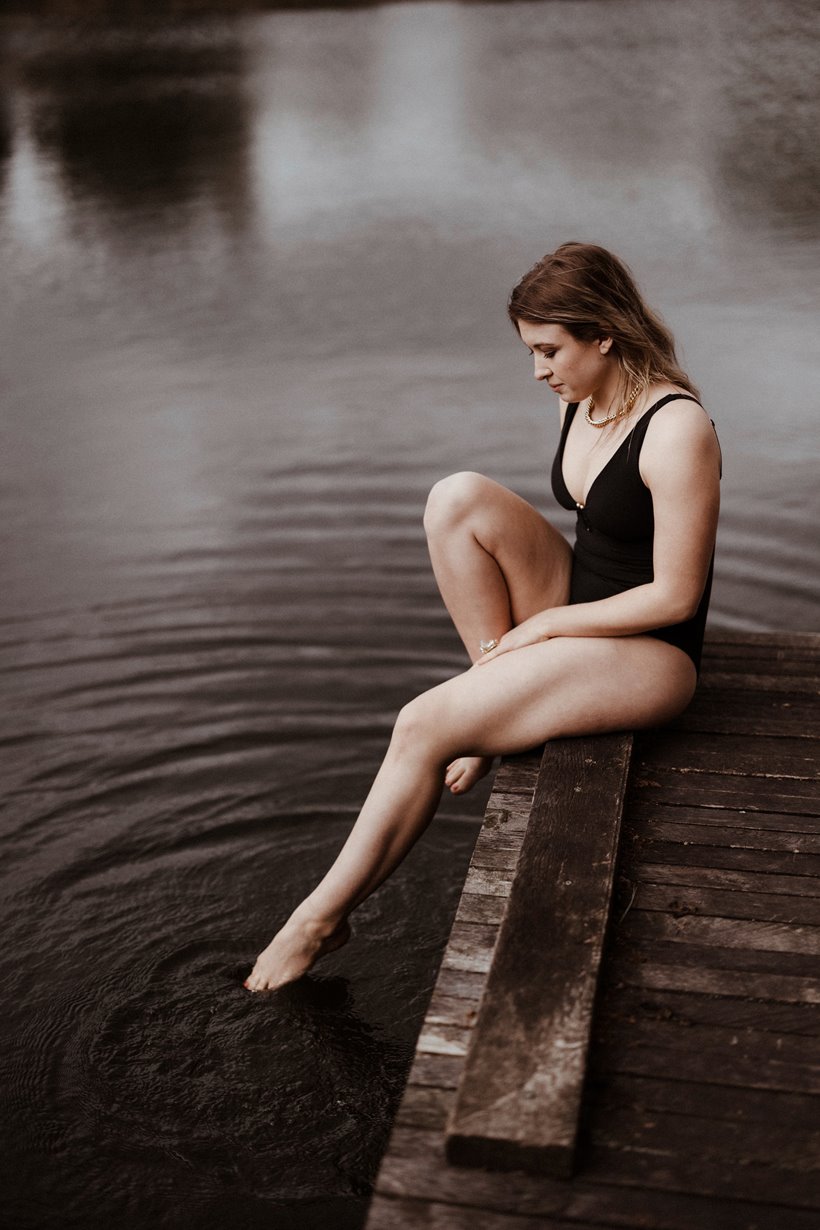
x=605, y=344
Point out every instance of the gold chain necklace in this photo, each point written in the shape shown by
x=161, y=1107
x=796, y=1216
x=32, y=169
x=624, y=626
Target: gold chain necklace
x=617, y=414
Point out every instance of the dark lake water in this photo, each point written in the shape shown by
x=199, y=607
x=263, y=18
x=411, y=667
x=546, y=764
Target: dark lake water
x=254, y=273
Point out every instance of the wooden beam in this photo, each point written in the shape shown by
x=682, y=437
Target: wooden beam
x=520, y=1094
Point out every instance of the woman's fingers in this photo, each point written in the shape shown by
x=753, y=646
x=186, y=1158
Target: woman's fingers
x=493, y=653
x=517, y=638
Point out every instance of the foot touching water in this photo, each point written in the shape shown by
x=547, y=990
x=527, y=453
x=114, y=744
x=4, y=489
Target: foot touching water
x=463, y=773
x=293, y=951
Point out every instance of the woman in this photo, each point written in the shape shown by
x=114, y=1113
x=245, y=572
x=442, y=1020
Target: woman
x=605, y=636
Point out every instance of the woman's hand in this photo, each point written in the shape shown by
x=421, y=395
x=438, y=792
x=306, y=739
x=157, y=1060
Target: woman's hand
x=530, y=632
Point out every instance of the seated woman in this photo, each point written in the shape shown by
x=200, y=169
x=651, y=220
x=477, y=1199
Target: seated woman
x=602, y=636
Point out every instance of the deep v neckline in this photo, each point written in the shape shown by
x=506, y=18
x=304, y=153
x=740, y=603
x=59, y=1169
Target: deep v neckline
x=568, y=427
x=608, y=461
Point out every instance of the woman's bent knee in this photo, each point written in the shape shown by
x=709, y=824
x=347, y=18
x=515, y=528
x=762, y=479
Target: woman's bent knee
x=452, y=499
x=411, y=721
x=417, y=725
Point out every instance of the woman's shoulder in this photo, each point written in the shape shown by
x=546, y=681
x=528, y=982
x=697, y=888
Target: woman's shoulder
x=661, y=389
x=678, y=415
x=679, y=431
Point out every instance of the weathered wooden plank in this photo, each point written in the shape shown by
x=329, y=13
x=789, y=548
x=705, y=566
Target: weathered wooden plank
x=442, y=1071
x=613, y=1191
x=491, y=842
x=750, y=1058
x=751, y=659
x=709, y=981
x=641, y=812
x=782, y=1110
x=498, y=858
x=744, y=1071
x=732, y=755
x=402, y=1213
x=644, y=946
x=730, y=837
x=466, y=984
x=482, y=882
x=742, y=713
x=777, y=794
x=725, y=680
x=770, y=643
x=482, y=908
x=638, y=849
x=442, y=1039
x=751, y=662
x=735, y=1144
x=724, y=903
x=712, y=877
x=725, y=932
x=425, y=1106
x=689, y=1171
x=518, y=774
x=454, y=1010
x=470, y=946
x=519, y=1098
x=779, y=1101
x=688, y=1008
x=508, y=809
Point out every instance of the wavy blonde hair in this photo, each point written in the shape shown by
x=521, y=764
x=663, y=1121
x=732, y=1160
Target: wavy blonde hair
x=592, y=294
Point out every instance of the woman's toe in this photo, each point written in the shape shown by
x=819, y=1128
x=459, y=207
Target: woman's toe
x=254, y=981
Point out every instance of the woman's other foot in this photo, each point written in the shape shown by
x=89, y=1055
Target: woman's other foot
x=463, y=773
x=293, y=951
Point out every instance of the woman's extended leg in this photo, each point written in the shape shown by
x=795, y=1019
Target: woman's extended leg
x=565, y=686
x=497, y=561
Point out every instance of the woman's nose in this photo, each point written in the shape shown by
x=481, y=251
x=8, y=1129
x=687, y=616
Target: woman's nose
x=542, y=369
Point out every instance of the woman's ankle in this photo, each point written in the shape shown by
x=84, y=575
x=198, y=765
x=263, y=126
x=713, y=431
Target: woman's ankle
x=318, y=923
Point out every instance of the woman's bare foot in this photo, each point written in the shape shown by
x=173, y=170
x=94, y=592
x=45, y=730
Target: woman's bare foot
x=464, y=772
x=292, y=952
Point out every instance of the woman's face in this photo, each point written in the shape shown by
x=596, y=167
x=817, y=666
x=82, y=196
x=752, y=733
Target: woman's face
x=574, y=369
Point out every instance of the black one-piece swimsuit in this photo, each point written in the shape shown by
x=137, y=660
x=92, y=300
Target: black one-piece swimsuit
x=614, y=531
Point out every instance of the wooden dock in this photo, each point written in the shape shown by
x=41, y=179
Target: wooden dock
x=689, y=1099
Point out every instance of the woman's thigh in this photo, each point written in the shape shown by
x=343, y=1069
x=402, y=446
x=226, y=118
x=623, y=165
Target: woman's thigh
x=534, y=558
x=564, y=686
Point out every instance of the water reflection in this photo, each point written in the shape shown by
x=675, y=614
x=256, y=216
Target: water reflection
x=770, y=170
x=135, y=125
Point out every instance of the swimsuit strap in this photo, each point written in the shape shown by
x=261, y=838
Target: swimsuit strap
x=565, y=426
x=637, y=433
x=639, y=430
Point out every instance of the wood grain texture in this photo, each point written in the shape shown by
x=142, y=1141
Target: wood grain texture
x=641, y=810
x=742, y=713
x=704, y=1192
x=718, y=877
x=705, y=789
x=701, y=1105
x=733, y=755
x=771, y=645
x=756, y=681
x=520, y=1094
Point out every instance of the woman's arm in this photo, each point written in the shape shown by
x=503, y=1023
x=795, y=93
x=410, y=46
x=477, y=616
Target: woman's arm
x=680, y=463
